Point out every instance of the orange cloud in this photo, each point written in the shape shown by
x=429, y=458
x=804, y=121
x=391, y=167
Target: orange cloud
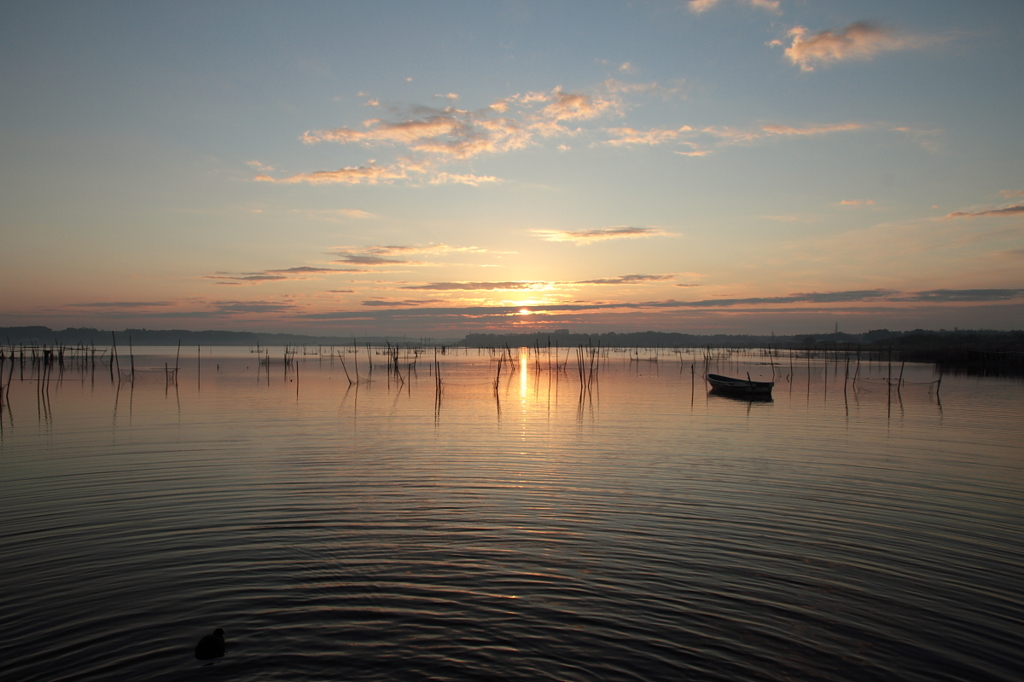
x=352, y=175
x=569, y=106
x=405, y=131
x=631, y=136
x=434, y=136
x=700, y=6
x=812, y=130
x=453, y=133
x=860, y=40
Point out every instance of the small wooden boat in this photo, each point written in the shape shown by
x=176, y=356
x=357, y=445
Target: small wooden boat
x=739, y=386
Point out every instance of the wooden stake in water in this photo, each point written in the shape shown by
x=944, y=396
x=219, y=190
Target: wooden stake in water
x=113, y=339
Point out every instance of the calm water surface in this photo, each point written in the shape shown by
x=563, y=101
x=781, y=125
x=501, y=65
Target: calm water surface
x=638, y=529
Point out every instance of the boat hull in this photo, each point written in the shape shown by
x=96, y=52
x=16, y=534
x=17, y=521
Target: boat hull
x=725, y=384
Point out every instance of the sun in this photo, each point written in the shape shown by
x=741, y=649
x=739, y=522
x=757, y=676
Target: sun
x=525, y=311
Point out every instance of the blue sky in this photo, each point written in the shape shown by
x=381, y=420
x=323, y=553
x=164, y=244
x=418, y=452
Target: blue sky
x=438, y=168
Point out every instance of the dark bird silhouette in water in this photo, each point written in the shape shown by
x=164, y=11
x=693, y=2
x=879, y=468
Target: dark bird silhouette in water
x=211, y=646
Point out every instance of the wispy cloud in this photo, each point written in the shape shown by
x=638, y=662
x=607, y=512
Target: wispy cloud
x=406, y=303
x=1007, y=193
x=463, y=179
x=432, y=136
x=308, y=270
x=631, y=136
x=394, y=254
x=351, y=175
x=1006, y=211
x=856, y=202
x=811, y=130
x=123, y=304
x=380, y=253
x=965, y=295
x=367, y=259
x=629, y=279
x=427, y=248
x=477, y=286
x=860, y=40
x=581, y=237
x=813, y=297
x=334, y=214
x=236, y=307
x=730, y=136
x=448, y=133
x=426, y=139
x=700, y=6
x=297, y=273
x=246, y=279
x=572, y=106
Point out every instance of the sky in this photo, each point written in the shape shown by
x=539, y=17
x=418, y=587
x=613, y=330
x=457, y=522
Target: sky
x=449, y=167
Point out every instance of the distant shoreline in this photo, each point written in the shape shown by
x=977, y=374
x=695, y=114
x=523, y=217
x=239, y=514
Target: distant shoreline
x=878, y=339
x=983, y=352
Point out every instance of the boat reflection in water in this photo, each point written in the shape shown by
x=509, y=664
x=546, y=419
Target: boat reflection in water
x=741, y=397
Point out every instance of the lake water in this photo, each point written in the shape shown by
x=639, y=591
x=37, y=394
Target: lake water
x=639, y=529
